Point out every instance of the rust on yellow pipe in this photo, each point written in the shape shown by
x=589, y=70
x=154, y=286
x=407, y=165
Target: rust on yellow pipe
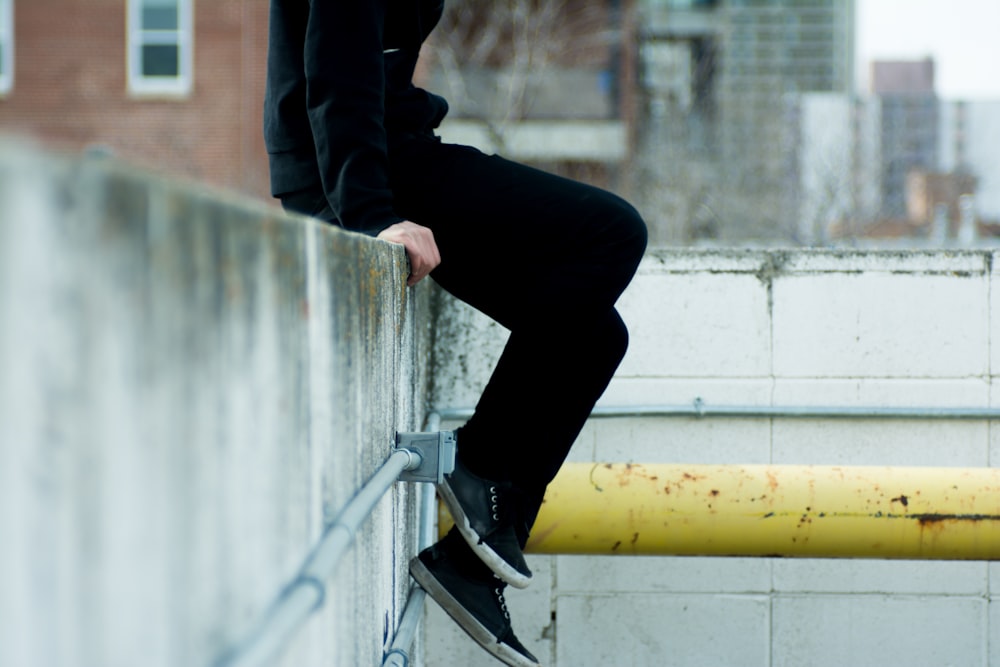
x=762, y=510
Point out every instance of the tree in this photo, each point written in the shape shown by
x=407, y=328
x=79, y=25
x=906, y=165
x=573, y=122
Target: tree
x=497, y=57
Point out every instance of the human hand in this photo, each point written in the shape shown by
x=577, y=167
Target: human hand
x=420, y=247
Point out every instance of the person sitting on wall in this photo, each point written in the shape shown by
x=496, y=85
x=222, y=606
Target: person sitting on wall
x=351, y=141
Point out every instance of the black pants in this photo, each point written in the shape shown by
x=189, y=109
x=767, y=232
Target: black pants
x=547, y=258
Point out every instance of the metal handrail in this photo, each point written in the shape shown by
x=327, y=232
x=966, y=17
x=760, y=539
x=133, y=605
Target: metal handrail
x=305, y=594
x=700, y=409
x=397, y=655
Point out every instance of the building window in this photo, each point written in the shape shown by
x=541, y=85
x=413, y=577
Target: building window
x=161, y=41
x=6, y=46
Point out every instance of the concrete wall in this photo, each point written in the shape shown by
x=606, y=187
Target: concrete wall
x=769, y=328
x=190, y=388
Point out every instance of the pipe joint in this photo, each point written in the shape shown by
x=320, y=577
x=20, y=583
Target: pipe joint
x=432, y=455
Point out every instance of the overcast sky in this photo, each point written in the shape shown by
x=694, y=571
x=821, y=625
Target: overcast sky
x=963, y=37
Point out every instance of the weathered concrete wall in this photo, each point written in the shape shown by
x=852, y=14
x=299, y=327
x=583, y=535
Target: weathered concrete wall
x=769, y=328
x=190, y=388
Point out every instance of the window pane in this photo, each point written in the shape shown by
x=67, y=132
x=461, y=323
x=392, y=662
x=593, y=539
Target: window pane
x=159, y=18
x=161, y=60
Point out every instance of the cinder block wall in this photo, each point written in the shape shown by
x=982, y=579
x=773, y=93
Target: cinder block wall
x=190, y=389
x=769, y=328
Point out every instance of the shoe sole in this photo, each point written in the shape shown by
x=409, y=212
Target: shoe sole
x=469, y=624
x=493, y=560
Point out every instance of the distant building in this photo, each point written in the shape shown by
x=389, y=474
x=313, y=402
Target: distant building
x=176, y=85
x=909, y=126
x=936, y=162
x=902, y=77
x=969, y=143
x=725, y=82
x=936, y=198
x=829, y=176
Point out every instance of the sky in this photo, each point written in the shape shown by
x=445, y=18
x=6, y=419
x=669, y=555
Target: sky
x=963, y=37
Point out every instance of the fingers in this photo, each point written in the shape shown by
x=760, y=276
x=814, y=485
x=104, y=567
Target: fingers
x=421, y=249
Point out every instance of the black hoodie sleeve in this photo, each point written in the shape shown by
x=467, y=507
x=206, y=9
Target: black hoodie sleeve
x=326, y=96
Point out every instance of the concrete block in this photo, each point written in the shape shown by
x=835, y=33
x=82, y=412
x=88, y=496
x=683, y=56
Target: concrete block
x=883, y=392
x=916, y=262
x=876, y=325
x=834, y=630
x=682, y=439
x=994, y=447
x=993, y=650
x=696, y=325
x=631, y=391
x=994, y=321
x=637, y=630
x=668, y=261
x=891, y=442
x=994, y=576
x=584, y=448
x=661, y=574
x=880, y=441
x=862, y=577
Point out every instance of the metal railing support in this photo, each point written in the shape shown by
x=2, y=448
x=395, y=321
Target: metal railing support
x=770, y=510
x=398, y=654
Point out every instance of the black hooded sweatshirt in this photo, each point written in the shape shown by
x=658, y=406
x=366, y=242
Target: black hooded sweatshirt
x=339, y=79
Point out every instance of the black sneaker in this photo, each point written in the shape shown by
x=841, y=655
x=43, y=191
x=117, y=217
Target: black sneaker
x=478, y=507
x=477, y=605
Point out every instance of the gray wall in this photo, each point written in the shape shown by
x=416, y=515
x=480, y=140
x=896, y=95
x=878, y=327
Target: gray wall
x=779, y=328
x=190, y=388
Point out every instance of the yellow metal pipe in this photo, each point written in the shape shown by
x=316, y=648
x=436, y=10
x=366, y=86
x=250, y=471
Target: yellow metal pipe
x=759, y=510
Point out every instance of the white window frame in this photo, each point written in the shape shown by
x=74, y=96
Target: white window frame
x=6, y=46
x=169, y=86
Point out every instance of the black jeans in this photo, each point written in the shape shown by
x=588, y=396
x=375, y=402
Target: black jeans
x=547, y=258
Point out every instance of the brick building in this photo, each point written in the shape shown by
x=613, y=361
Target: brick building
x=176, y=85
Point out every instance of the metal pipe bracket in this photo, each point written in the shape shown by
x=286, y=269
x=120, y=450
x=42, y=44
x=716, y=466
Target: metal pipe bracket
x=436, y=452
